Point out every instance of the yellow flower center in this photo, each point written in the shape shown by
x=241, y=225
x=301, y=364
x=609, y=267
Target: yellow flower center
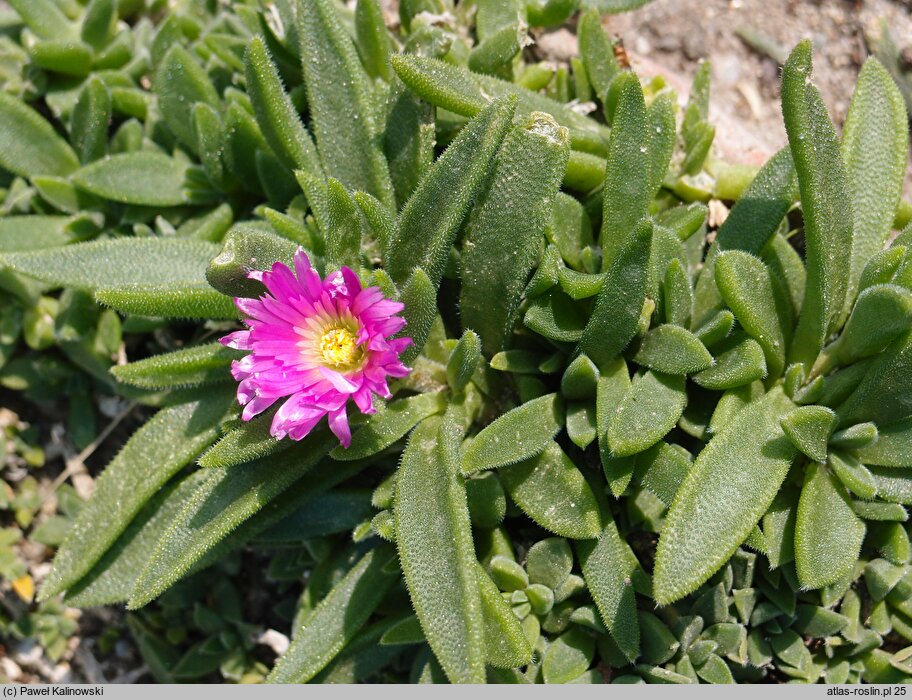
x=339, y=347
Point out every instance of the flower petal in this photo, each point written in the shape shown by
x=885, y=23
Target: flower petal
x=338, y=423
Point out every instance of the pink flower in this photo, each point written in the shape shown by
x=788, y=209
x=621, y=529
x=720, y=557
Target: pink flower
x=317, y=343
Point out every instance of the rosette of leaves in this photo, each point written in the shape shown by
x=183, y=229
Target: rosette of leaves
x=594, y=364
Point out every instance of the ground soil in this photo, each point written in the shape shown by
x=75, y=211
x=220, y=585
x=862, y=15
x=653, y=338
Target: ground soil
x=670, y=37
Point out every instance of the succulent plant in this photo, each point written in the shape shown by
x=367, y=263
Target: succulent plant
x=635, y=443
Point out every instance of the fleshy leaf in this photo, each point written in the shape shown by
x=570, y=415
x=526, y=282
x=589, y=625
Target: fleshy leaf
x=164, y=274
x=648, y=411
x=662, y=468
x=432, y=216
x=144, y=177
x=32, y=232
x=609, y=567
x=434, y=537
x=853, y=475
x=339, y=102
x=741, y=362
x=809, y=429
x=746, y=286
x=249, y=441
x=758, y=213
x=162, y=447
x=881, y=396
x=729, y=488
x=336, y=620
x=112, y=578
x=459, y=90
x=825, y=204
x=504, y=230
x=568, y=656
x=181, y=83
x=516, y=435
x=551, y=490
x=201, y=364
x=617, y=309
x=628, y=186
x=880, y=314
x=29, y=145
x=875, y=140
x=506, y=645
x=278, y=120
x=893, y=447
x=391, y=423
x=828, y=534
x=673, y=350
x=222, y=502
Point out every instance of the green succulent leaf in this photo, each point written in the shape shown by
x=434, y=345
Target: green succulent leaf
x=506, y=645
x=164, y=276
x=555, y=316
x=597, y=54
x=549, y=562
x=609, y=567
x=648, y=411
x=516, y=435
x=373, y=39
x=893, y=447
x=725, y=493
x=855, y=436
x=113, y=577
x=276, y=116
x=580, y=379
x=757, y=215
x=180, y=83
x=146, y=178
x=809, y=429
x=828, y=534
x=337, y=619
x=741, y=362
x=880, y=314
x=190, y=301
x=875, y=137
x=426, y=230
x=44, y=18
x=392, y=422
x=677, y=295
x=195, y=366
x=662, y=468
x=434, y=537
x=628, y=180
x=618, y=307
x=504, y=229
x=163, y=446
x=568, y=656
x=746, y=286
x=880, y=396
x=553, y=492
x=90, y=120
x=222, y=502
x=29, y=145
x=247, y=247
x=459, y=90
x=339, y=102
x=673, y=350
x=853, y=474
x=32, y=232
x=825, y=203
x=419, y=294
x=247, y=442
